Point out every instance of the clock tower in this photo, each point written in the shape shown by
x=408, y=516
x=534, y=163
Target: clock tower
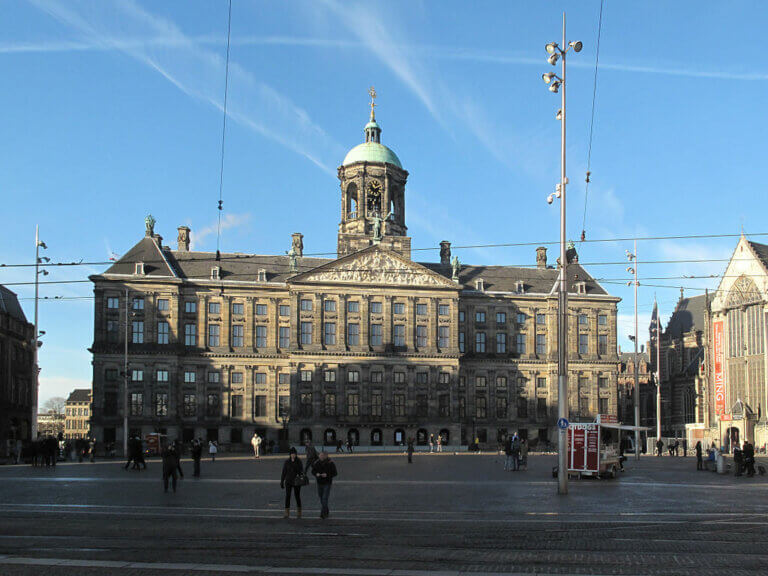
x=372, y=195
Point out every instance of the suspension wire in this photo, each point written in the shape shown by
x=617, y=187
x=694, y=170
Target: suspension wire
x=223, y=134
x=592, y=125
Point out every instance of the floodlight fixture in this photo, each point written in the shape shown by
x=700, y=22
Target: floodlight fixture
x=551, y=47
x=577, y=46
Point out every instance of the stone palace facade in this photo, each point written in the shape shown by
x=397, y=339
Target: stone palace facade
x=370, y=346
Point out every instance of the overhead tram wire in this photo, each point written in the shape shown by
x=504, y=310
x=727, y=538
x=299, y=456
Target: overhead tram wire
x=592, y=124
x=223, y=134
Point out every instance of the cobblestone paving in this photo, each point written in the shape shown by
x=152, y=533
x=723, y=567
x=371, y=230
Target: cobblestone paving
x=444, y=514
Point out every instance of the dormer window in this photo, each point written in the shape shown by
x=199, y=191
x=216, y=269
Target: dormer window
x=139, y=269
x=480, y=285
x=216, y=273
x=581, y=287
x=520, y=287
x=261, y=275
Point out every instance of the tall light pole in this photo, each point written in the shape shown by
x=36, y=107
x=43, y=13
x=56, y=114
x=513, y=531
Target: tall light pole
x=36, y=343
x=125, y=381
x=632, y=257
x=557, y=83
x=657, y=330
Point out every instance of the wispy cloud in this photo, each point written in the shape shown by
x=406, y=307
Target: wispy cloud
x=228, y=222
x=193, y=69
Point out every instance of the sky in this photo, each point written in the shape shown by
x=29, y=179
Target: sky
x=112, y=109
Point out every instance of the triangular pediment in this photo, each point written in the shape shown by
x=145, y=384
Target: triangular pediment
x=374, y=266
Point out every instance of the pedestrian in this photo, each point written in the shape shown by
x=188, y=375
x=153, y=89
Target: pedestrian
x=311, y=454
x=659, y=446
x=339, y=446
x=677, y=446
x=213, y=448
x=178, y=448
x=170, y=465
x=92, y=449
x=439, y=442
x=409, y=450
x=139, y=451
x=738, y=460
x=524, y=454
x=197, y=454
x=431, y=443
x=508, y=454
x=324, y=469
x=685, y=447
x=699, y=456
x=256, y=443
x=622, y=448
x=515, y=453
x=749, y=458
x=292, y=479
x=349, y=444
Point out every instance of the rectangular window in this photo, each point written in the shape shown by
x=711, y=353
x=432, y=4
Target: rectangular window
x=137, y=404
x=399, y=377
x=238, y=309
x=602, y=382
x=481, y=407
x=462, y=407
x=422, y=378
x=522, y=407
x=375, y=336
x=444, y=405
x=330, y=331
x=353, y=334
x=399, y=404
x=284, y=337
x=163, y=330
x=238, y=331
x=541, y=407
x=583, y=343
x=214, y=307
x=213, y=335
x=283, y=406
x=461, y=342
x=375, y=307
x=353, y=376
x=161, y=404
x=261, y=336
x=353, y=405
x=190, y=376
x=541, y=383
x=421, y=336
x=501, y=382
x=190, y=335
x=113, y=303
x=138, y=303
x=501, y=343
x=190, y=405
x=285, y=310
x=602, y=344
x=236, y=406
x=521, y=317
x=110, y=375
x=212, y=405
x=602, y=320
x=541, y=344
x=306, y=333
x=462, y=316
x=520, y=343
x=112, y=330
x=443, y=336
x=163, y=304
x=329, y=404
x=583, y=320
x=261, y=309
x=306, y=305
x=190, y=307
x=329, y=375
x=421, y=309
x=284, y=378
x=353, y=306
x=137, y=375
x=237, y=377
x=259, y=406
x=480, y=382
x=306, y=375
x=501, y=407
x=444, y=378
x=501, y=317
x=583, y=407
x=305, y=406
x=541, y=319
x=329, y=305
x=421, y=405
x=602, y=405
x=443, y=310
x=399, y=335
x=398, y=308
x=480, y=317
x=376, y=404
x=214, y=377
x=137, y=333
x=161, y=376
x=480, y=342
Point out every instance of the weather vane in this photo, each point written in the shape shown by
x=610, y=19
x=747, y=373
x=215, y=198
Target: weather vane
x=372, y=94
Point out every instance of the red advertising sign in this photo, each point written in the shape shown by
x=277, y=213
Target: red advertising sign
x=583, y=447
x=717, y=350
x=607, y=418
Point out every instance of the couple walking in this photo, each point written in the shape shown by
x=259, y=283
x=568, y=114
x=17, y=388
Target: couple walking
x=294, y=476
x=516, y=451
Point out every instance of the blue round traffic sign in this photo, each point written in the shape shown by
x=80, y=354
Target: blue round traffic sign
x=562, y=423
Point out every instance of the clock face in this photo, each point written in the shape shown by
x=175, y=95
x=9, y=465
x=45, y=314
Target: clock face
x=374, y=196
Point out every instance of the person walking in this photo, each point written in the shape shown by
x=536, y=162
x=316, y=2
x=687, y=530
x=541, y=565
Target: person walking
x=439, y=442
x=659, y=446
x=409, y=450
x=324, y=470
x=311, y=454
x=431, y=443
x=515, y=453
x=292, y=479
x=349, y=445
x=685, y=447
x=523, y=454
x=749, y=458
x=508, y=454
x=92, y=450
x=170, y=464
x=699, y=456
x=197, y=454
x=213, y=449
x=178, y=448
x=256, y=443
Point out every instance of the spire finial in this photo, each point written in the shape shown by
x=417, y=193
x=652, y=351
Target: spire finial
x=372, y=94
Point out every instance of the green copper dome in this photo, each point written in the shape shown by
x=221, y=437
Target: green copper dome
x=371, y=152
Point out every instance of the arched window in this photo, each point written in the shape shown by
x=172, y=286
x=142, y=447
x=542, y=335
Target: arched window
x=445, y=436
x=305, y=435
x=376, y=437
x=352, y=201
x=353, y=436
x=399, y=437
x=689, y=405
x=421, y=437
x=329, y=437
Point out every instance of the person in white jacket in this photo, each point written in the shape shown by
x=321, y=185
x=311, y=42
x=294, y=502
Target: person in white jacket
x=213, y=448
x=256, y=443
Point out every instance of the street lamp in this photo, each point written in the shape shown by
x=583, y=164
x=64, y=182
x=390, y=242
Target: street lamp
x=632, y=258
x=557, y=84
x=35, y=392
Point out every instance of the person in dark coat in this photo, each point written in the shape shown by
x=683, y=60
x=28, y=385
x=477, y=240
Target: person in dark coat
x=170, y=465
x=410, y=450
x=178, y=449
x=738, y=460
x=197, y=454
x=659, y=446
x=749, y=458
x=311, y=454
x=292, y=469
x=699, y=456
x=324, y=469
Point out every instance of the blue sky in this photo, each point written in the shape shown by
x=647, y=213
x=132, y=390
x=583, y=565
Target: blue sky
x=112, y=110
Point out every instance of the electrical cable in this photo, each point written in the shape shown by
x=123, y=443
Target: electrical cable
x=223, y=134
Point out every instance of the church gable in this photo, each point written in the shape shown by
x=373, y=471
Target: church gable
x=745, y=279
x=374, y=266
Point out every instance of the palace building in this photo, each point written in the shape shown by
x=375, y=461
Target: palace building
x=370, y=346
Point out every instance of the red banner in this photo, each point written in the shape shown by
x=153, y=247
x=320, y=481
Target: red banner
x=717, y=350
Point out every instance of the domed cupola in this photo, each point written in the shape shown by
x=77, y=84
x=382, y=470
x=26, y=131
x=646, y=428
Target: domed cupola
x=373, y=194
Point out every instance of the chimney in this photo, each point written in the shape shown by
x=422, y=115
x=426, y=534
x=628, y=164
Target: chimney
x=445, y=253
x=183, y=238
x=297, y=242
x=541, y=257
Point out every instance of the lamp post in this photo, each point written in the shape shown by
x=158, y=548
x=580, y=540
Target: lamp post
x=125, y=380
x=36, y=343
x=632, y=257
x=557, y=83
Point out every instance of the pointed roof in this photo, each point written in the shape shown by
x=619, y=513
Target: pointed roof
x=150, y=254
x=9, y=304
x=688, y=315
